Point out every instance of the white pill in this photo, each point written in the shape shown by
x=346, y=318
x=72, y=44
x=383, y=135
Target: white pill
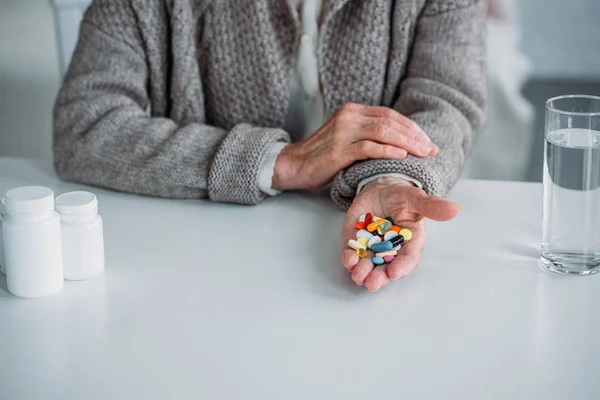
x=389, y=234
x=373, y=240
x=397, y=248
x=362, y=218
x=355, y=245
x=376, y=218
x=364, y=233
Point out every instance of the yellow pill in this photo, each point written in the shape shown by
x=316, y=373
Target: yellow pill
x=406, y=233
x=362, y=253
x=364, y=241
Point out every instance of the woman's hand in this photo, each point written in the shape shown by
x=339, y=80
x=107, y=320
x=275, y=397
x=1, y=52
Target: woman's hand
x=355, y=132
x=408, y=206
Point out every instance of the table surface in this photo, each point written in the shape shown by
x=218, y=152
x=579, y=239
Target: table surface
x=218, y=301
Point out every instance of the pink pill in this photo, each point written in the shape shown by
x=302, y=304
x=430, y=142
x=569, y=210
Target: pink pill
x=388, y=259
x=387, y=253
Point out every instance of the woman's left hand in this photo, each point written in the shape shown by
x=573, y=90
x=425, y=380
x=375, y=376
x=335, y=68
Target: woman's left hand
x=408, y=206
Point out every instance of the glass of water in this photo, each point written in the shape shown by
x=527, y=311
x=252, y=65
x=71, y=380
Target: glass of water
x=571, y=219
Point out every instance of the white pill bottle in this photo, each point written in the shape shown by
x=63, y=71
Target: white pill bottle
x=32, y=242
x=82, y=235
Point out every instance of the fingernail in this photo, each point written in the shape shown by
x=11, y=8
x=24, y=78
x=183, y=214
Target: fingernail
x=425, y=148
x=400, y=276
x=400, y=153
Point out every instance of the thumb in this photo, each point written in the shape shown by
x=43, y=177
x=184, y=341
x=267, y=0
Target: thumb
x=349, y=228
x=436, y=208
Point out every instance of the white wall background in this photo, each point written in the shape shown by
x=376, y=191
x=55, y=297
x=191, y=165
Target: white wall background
x=562, y=38
x=29, y=77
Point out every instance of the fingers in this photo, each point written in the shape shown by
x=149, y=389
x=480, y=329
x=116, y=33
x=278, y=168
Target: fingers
x=349, y=227
x=434, y=207
x=377, y=279
x=382, y=112
x=362, y=270
x=407, y=260
x=388, y=131
x=349, y=259
x=366, y=149
x=349, y=256
x=388, y=127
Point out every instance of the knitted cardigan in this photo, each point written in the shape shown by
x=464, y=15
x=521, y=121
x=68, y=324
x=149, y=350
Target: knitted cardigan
x=183, y=98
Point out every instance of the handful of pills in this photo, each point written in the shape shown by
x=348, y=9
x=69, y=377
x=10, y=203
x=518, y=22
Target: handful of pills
x=379, y=235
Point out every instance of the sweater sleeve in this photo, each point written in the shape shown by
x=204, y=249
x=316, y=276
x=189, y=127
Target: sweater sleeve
x=443, y=91
x=104, y=136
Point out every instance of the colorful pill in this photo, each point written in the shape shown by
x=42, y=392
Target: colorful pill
x=389, y=234
x=362, y=218
x=384, y=227
x=355, y=245
x=374, y=239
x=388, y=259
x=377, y=260
x=381, y=247
x=363, y=233
x=360, y=225
x=387, y=253
x=362, y=253
x=395, y=229
x=407, y=234
x=396, y=240
x=390, y=219
x=364, y=241
x=372, y=227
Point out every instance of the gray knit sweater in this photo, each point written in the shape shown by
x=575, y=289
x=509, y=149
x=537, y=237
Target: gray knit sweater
x=183, y=98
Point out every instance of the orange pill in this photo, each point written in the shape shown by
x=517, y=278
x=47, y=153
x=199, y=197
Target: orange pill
x=395, y=229
x=360, y=225
x=372, y=227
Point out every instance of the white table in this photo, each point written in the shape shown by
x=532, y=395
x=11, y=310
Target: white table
x=213, y=301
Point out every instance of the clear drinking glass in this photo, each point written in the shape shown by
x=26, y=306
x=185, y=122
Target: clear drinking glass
x=571, y=219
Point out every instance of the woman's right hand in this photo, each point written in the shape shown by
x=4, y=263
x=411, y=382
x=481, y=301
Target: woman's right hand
x=355, y=132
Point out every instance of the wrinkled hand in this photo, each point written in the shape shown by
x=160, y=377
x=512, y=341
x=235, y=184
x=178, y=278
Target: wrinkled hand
x=355, y=132
x=408, y=206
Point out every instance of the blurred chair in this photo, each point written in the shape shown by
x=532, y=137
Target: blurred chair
x=503, y=148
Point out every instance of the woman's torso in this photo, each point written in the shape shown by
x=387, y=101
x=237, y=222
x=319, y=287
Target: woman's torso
x=226, y=62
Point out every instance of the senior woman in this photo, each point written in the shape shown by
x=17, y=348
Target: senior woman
x=236, y=101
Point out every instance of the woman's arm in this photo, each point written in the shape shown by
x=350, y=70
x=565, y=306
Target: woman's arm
x=103, y=135
x=443, y=92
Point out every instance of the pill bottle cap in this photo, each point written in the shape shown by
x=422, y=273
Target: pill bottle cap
x=77, y=206
x=29, y=200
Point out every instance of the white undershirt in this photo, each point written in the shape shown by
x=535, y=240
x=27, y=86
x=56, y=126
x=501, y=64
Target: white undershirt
x=306, y=111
